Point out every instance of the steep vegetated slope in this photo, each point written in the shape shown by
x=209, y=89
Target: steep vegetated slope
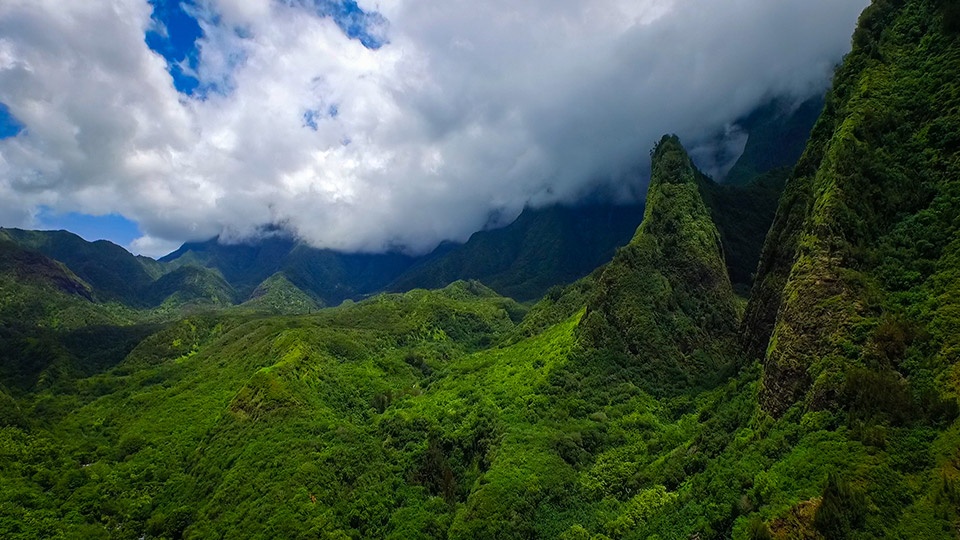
x=35, y=269
x=557, y=245
x=858, y=268
x=777, y=134
x=111, y=275
x=113, y=272
x=855, y=311
x=664, y=306
x=543, y=248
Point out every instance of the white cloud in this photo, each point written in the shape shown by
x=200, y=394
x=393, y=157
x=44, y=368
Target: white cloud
x=471, y=107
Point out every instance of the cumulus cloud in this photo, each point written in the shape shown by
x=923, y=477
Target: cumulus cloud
x=468, y=109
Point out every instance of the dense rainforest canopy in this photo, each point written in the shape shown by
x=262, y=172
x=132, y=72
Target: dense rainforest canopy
x=212, y=395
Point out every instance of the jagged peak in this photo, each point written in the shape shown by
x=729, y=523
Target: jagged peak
x=670, y=163
x=665, y=303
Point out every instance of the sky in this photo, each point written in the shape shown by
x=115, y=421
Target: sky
x=373, y=125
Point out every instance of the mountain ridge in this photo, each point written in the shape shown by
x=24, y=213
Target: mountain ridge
x=846, y=206
x=633, y=403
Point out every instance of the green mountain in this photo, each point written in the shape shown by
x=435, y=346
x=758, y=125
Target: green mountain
x=664, y=307
x=854, y=311
x=278, y=295
x=633, y=403
x=542, y=248
x=558, y=245
x=865, y=234
x=103, y=272
x=113, y=272
x=33, y=268
x=191, y=285
x=328, y=276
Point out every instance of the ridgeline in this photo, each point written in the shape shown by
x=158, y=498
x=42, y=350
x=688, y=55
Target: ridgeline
x=211, y=395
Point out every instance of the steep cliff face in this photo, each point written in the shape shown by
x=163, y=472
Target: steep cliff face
x=856, y=269
x=665, y=305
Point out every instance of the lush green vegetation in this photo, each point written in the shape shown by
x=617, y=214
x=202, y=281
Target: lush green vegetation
x=858, y=279
x=277, y=295
x=543, y=248
x=870, y=217
x=633, y=403
x=664, y=307
x=743, y=215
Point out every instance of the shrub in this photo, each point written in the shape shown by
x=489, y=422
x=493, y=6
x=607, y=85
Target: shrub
x=842, y=508
x=758, y=530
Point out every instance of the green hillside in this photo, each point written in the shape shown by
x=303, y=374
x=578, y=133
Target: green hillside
x=51, y=325
x=113, y=272
x=193, y=286
x=279, y=296
x=643, y=400
x=542, y=248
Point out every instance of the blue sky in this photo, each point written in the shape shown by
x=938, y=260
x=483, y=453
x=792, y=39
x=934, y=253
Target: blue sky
x=179, y=29
x=175, y=37
x=176, y=40
x=9, y=126
x=113, y=227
